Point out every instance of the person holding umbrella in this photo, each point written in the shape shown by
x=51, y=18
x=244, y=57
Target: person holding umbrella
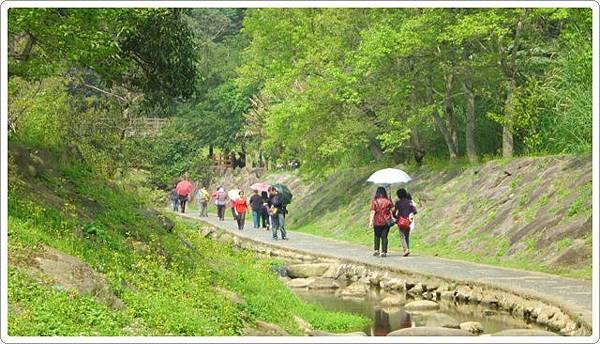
x=381, y=217
x=264, y=211
x=257, y=202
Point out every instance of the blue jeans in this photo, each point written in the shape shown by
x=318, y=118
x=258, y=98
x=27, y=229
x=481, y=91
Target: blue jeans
x=278, y=222
x=256, y=218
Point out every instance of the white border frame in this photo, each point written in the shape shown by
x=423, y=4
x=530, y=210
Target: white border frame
x=594, y=5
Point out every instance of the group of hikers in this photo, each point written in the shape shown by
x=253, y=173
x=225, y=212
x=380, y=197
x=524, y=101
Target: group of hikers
x=269, y=208
x=269, y=211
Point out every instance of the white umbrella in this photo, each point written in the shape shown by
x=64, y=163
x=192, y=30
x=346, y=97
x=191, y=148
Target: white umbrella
x=234, y=194
x=389, y=176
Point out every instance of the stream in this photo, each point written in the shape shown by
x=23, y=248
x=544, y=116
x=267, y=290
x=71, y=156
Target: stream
x=388, y=319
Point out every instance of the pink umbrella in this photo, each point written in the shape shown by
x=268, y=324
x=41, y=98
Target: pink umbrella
x=261, y=186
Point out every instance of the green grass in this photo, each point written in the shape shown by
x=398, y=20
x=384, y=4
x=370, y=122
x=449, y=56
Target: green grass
x=165, y=279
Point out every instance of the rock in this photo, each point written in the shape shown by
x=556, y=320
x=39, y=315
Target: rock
x=232, y=296
x=422, y=305
x=323, y=283
x=417, y=289
x=323, y=333
x=489, y=312
x=264, y=328
x=447, y=295
x=490, y=300
x=354, y=289
x=300, y=282
x=307, y=270
x=524, y=332
x=304, y=325
x=334, y=271
x=471, y=326
x=393, y=300
x=430, y=331
x=73, y=273
x=431, y=286
x=436, y=320
x=206, y=231
x=463, y=293
x=392, y=284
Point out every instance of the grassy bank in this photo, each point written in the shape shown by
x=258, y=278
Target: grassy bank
x=169, y=282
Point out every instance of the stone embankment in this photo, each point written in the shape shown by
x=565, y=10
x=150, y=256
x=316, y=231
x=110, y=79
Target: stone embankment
x=350, y=279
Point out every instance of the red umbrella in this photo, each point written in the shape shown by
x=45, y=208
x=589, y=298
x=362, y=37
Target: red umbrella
x=261, y=186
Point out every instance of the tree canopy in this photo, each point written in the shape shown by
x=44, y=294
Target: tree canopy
x=327, y=88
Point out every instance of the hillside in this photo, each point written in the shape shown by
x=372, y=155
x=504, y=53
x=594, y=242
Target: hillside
x=533, y=213
x=88, y=257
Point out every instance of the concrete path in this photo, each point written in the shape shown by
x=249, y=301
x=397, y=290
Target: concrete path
x=571, y=294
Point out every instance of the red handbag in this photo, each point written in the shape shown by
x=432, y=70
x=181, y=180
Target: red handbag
x=403, y=223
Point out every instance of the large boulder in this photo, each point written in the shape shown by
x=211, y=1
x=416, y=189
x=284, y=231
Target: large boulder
x=524, y=332
x=307, y=270
x=430, y=331
x=422, y=305
x=70, y=272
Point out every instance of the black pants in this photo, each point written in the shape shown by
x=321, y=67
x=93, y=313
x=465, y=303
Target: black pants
x=381, y=234
x=241, y=220
x=182, y=202
x=221, y=211
x=264, y=214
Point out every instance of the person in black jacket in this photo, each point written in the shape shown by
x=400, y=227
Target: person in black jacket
x=264, y=211
x=276, y=212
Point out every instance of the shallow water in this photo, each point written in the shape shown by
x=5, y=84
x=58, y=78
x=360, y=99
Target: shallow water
x=388, y=319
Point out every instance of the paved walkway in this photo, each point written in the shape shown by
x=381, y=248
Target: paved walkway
x=572, y=294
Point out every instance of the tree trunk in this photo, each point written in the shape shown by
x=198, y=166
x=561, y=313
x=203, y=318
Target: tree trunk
x=507, y=128
x=470, y=111
x=375, y=149
x=440, y=122
x=418, y=151
x=211, y=151
x=449, y=110
x=510, y=71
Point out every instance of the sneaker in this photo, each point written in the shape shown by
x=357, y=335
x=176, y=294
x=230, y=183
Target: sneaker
x=384, y=254
x=406, y=253
x=284, y=238
x=376, y=253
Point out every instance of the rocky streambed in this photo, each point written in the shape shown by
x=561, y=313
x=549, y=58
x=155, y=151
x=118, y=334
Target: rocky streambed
x=399, y=307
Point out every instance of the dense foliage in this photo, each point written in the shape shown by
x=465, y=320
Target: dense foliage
x=345, y=87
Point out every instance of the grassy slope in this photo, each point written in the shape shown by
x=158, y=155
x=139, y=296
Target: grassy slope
x=165, y=280
x=339, y=209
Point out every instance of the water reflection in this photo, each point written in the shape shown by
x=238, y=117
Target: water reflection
x=384, y=318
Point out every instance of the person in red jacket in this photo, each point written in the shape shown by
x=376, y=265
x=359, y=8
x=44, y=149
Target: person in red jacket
x=240, y=207
x=184, y=188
